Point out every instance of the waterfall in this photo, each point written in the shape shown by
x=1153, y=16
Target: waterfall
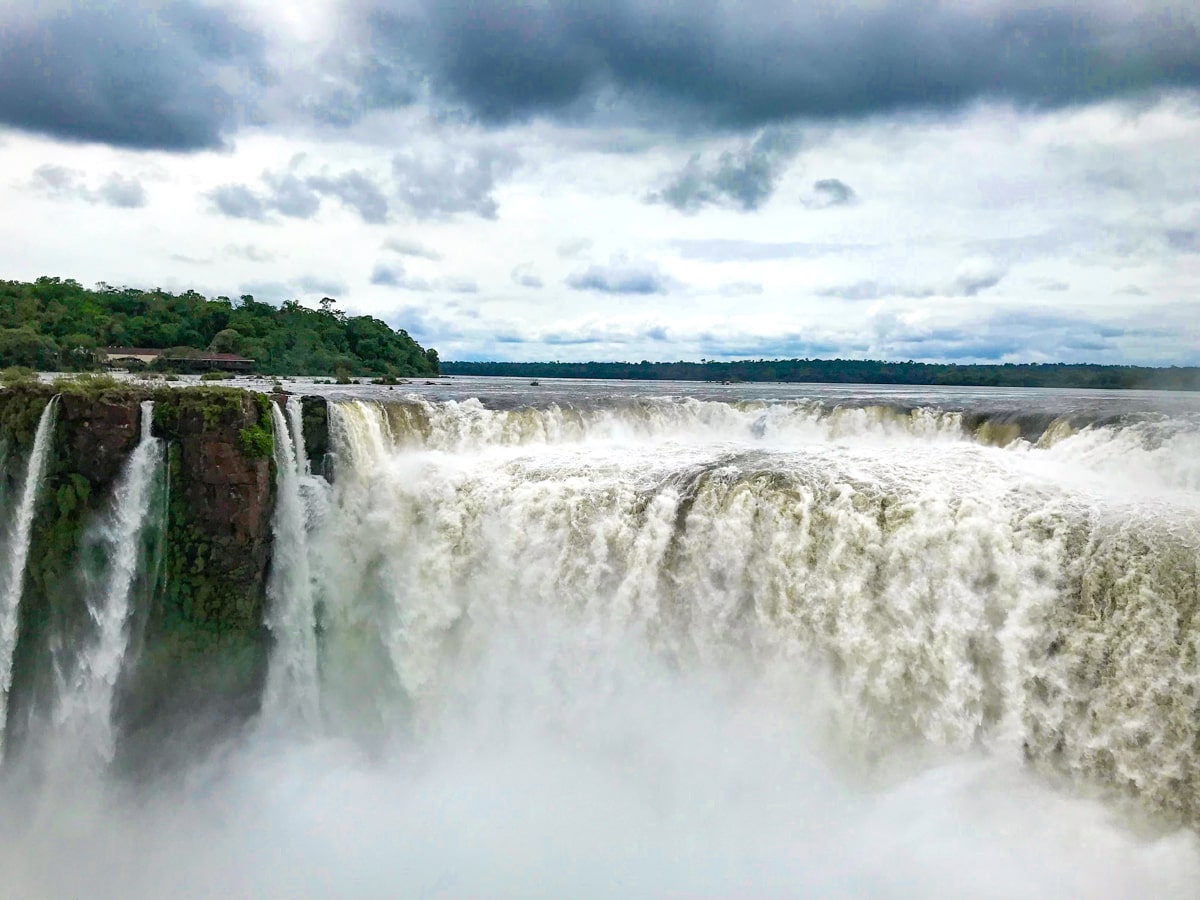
x=295, y=414
x=292, y=696
x=20, y=533
x=955, y=594
x=85, y=707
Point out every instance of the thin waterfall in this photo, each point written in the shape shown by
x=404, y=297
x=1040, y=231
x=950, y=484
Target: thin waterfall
x=86, y=706
x=292, y=695
x=19, y=537
x=295, y=414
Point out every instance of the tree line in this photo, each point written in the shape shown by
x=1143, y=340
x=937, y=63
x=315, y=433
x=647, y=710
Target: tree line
x=856, y=371
x=55, y=323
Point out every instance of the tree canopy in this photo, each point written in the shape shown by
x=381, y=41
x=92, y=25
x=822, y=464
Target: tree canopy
x=855, y=371
x=55, y=323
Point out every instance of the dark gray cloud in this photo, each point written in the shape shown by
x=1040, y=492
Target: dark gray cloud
x=439, y=186
x=173, y=76
x=622, y=276
x=296, y=196
x=742, y=180
x=742, y=63
x=525, y=276
x=829, y=192
x=117, y=190
x=406, y=247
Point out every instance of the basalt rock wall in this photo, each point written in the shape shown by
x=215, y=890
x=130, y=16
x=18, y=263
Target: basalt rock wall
x=198, y=644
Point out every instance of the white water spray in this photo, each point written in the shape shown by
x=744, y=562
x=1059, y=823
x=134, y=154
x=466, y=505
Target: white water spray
x=19, y=537
x=292, y=693
x=85, y=707
x=955, y=594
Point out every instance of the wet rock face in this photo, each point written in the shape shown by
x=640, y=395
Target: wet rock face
x=199, y=659
x=227, y=492
x=98, y=435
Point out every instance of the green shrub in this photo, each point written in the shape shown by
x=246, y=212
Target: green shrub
x=217, y=376
x=17, y=375
x=87, y=383
x=256, y=442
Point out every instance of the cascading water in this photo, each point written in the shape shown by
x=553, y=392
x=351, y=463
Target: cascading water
x=292, y=694
x=295, y=415
x=84, y=714
x=678, y=647
x=19, y=535
x=936, y=588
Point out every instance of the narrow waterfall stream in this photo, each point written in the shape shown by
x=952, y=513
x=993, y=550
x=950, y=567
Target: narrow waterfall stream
x=84, y=715
x=19, y=534
x=292, y=694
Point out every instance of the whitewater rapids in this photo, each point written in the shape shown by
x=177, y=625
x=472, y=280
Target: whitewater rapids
x=678, y=647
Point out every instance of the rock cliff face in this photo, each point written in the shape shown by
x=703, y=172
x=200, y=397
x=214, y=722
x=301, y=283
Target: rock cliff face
x=198, y=652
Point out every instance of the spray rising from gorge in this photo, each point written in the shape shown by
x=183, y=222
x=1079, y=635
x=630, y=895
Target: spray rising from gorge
x=672, y=645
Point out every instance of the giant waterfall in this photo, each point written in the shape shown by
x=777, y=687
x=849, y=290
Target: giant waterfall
x=665, y=646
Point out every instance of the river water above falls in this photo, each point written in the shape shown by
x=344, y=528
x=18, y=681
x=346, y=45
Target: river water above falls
x=600, y=640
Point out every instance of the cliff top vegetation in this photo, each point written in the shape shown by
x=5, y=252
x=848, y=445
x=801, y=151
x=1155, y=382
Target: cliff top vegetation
x=57, y=324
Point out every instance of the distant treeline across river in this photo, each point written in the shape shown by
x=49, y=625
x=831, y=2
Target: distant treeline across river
x=855, y=371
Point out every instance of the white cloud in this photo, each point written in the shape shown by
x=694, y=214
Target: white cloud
x=984, y=221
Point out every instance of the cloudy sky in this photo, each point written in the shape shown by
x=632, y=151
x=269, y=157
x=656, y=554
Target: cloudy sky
x=964, y=181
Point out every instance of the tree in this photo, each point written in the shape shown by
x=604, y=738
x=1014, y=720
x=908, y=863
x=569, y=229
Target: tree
x=229, y=340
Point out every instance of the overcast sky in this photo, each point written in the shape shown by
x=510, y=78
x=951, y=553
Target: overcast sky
x=984, y=180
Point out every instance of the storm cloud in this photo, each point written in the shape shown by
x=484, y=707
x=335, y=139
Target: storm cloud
x=742, y=63
x=128, y=74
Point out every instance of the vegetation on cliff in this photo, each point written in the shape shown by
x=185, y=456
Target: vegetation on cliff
x=56, y=323
x=200, y=643
x=855, y=371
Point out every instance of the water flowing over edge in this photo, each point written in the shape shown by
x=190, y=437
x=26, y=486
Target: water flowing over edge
x=84, y=713
x=20, y=534
x=292, y=697
x=1166, y=450
x=953, y=594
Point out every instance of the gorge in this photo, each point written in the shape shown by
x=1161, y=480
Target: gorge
x=605, y=644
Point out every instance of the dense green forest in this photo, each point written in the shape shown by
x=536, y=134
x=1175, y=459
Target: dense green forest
x=855, y=371
x=56, y=323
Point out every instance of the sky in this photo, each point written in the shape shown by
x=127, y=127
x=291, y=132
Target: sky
x=971, y=181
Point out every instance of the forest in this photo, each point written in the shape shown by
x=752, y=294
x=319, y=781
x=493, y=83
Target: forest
x=57, y=324
x=856, y=371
